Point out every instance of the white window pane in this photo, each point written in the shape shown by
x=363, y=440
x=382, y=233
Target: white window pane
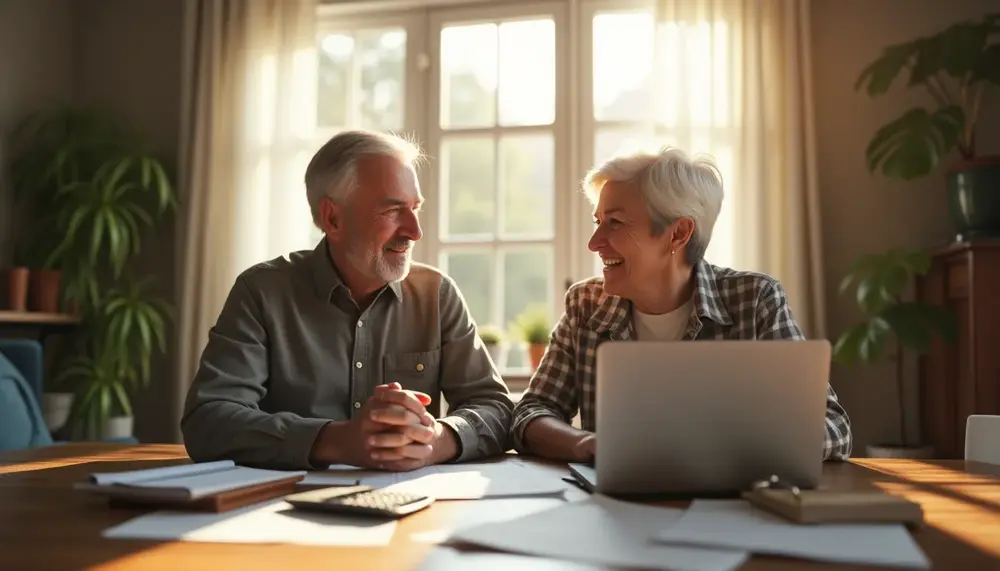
x=611, y=142
x=468, y=76
x=527, y=183
x=468, y=178
x=623, y=60
x=527, y=284
x=336, y=52
x=472, y=270
x=382, y=62
x=527, y=72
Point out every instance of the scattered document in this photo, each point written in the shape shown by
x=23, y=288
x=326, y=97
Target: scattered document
x=736, y=524
x=451, y=481
x=461, y=515
x=600, y=531
x=190, y=481
x=450, y=559
x=273, y=522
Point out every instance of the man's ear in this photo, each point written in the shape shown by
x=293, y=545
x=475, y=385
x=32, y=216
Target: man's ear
x=331, y=216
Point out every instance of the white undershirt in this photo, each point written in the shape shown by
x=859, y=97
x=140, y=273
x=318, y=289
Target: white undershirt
x=665, y=327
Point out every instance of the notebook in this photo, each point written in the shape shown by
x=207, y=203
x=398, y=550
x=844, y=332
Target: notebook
x=213, y=486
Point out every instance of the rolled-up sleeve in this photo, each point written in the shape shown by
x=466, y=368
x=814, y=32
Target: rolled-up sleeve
x=479, y=401
x=553, y=389
x=775, y=321
x=222, y=417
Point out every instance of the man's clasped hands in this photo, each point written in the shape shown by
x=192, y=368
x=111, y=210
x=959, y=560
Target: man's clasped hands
x=393, y=431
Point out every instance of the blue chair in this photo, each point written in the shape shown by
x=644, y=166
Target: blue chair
x=21, y=422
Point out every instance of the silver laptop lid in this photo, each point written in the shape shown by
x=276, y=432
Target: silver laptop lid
x=709, y=416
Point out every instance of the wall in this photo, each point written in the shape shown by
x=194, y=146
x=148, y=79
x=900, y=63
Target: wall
x=36, y=66
x=862, y=213
x=129, y=59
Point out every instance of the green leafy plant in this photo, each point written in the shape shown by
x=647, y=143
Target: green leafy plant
x=955, y=67
x=89, y=191
x=880, y=282
x=533, y=325
x=490, y=334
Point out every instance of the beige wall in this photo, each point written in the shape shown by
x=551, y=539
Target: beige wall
x=36, y=63
x=862, y=213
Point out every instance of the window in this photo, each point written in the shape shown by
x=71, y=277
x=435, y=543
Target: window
x=648, y=84
x=514, y=102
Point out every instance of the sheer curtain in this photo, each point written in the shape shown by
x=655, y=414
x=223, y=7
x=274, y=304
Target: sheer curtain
x=247, y=133
x=733, y=81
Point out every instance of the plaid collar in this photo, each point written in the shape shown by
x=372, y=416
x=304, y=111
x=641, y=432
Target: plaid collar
x=327, y=279
x=614, y=314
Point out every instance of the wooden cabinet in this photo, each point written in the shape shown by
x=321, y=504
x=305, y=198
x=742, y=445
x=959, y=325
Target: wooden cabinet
x=963, y=378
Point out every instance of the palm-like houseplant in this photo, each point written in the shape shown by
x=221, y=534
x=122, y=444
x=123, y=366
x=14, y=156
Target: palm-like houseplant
x=880, y=282
x=956, y=67
x=90, y=190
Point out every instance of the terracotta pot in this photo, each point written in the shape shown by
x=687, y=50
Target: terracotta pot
x=535, y=351
x=44, y=293
x=17, y=289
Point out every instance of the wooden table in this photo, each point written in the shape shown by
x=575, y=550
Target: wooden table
x=45, y=525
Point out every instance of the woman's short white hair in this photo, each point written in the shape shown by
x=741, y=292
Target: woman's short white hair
x=332, y=170
x=673, y=185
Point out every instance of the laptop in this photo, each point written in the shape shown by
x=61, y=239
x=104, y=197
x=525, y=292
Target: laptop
x=707, y=418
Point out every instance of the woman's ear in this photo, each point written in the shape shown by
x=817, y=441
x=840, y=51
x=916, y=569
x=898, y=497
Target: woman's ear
x=681, y=234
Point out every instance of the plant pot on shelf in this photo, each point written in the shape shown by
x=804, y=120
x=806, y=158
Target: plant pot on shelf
x=17, y=288
x=535, y=351
x=56, y=408
x=895, y=451
x=494, y=351
x=974, y=197
x=43, y=294
x=117, y=427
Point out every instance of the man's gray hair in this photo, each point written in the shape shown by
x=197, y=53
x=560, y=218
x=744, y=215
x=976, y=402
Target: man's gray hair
x=332, y=170
x=673, y=185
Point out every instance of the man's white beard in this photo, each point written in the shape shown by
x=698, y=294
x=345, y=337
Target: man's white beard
x=372, y=260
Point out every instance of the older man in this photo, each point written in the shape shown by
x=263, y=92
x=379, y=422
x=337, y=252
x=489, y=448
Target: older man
x=339, y=355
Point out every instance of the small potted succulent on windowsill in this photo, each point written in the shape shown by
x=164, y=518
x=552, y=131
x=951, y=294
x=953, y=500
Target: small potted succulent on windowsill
x=492, y=338
x=881, y=280
x=535, y=326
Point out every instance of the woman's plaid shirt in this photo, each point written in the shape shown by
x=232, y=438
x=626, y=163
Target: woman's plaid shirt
x=729, y=304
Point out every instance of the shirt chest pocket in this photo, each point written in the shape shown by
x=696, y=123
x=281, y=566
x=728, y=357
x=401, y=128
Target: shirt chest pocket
x=414, y=371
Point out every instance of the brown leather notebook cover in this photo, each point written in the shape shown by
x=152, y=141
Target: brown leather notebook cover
x=827, y=506
x=151, y=498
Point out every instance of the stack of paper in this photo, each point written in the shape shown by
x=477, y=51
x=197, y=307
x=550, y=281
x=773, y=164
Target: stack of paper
x=188, y=481
x=736, y=524
x=600, y=531
x=272, y=522
x=450, y=481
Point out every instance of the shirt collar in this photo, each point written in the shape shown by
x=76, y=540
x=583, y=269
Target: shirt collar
x=613, y=313
x=327, y=279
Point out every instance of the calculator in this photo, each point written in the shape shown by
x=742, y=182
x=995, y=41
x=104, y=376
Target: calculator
x=362, y=500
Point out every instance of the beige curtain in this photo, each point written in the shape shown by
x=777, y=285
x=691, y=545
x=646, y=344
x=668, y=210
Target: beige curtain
x=246, y=126
x=733, y=81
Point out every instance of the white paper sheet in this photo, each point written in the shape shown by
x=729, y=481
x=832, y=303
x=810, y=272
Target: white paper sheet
x=600, y=531
x=450, y=559
x=452, y=481
x=737, y=524
x=273, y=522
x=133, y=476
x=468, y=514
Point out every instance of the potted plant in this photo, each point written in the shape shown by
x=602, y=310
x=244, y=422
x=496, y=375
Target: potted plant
x=534, y=327
x=492, y=338
x=880, y=281
x=88, y=189
x=956, y=67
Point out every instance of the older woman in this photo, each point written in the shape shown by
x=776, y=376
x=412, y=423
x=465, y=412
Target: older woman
x=654, y=217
